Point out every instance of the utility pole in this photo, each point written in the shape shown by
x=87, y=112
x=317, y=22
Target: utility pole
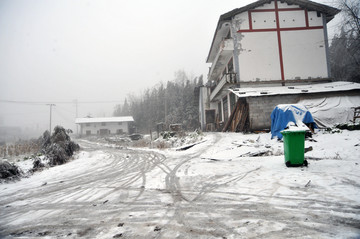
x=51, y=105
x=165, y=112
x=166, y=109
x=76, y=116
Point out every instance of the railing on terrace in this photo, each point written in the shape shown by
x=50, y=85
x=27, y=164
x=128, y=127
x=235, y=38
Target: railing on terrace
x=229, y=78
x=224, y=49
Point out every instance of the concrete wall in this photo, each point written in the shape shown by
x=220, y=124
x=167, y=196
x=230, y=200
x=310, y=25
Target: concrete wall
x=260, y=109
x=95, y=128
x=203, y=105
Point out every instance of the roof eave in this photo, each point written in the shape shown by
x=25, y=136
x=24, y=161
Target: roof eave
x=220, y=22
x=330, y=12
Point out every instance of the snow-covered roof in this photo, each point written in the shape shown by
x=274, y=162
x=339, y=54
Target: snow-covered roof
x=299, y=89
x=328, y=11
x=104, y=120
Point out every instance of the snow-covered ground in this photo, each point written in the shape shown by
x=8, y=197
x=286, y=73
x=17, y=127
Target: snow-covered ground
x=230, y=185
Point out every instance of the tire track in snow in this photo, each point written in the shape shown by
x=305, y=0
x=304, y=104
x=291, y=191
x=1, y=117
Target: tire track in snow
x=119, y=173
x=92, y=204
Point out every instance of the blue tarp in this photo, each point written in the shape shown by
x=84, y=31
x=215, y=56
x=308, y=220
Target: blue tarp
x=283, y=114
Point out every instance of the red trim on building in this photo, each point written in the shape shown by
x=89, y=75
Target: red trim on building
x=278, y=30
x=279, y=9
x=306, y=18
x=279, y=41
x=281, y=29
x=250, y=20
x=289, y=9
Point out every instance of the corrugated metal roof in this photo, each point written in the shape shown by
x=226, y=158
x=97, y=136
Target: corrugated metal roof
x=104, y=120
x=299, y=89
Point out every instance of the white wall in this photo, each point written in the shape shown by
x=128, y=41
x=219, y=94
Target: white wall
x=263, y=20
x=306, y=58
x=259, y=57
x=112, y=126
x=241, y=21
x=203, y=105
x=303, y=51
x=292, y=19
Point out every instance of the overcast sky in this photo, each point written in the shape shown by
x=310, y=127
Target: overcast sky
x=96, y=51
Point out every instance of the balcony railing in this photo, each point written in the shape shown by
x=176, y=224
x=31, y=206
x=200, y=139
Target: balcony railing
x=227, y=78
x=227, y=44
x=226, y=48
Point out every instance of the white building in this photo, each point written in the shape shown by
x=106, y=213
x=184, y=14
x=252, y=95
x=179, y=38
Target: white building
x=105, y=126
x=266, y=43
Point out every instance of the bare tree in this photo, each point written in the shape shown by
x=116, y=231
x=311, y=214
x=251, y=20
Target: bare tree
x=350, y=10
x=345, y=46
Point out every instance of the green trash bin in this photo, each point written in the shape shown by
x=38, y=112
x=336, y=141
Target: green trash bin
x=294, y=147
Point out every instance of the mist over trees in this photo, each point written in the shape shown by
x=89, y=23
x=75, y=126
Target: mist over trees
x=173, y=103
x=345, y=46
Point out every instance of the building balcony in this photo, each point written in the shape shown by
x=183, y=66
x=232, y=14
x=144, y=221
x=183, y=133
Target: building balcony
x=229, y=79
x=225, y=52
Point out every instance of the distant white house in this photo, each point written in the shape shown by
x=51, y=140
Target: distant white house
x=105, y=126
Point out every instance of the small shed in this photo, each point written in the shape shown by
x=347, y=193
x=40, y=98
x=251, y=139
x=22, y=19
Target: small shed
x=258, y=103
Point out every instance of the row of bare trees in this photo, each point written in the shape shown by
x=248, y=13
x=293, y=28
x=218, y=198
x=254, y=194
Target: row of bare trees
x=173, y=103
x=19, y=148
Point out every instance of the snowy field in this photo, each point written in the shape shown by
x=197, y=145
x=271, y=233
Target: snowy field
x=228, y=186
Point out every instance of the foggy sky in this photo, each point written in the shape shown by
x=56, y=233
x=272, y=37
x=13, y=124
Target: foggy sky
x=97, y=51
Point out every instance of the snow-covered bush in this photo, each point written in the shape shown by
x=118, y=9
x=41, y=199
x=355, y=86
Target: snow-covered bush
x=9, y=171
x=58, y=147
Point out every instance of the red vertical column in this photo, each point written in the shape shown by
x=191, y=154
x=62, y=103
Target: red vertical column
x=279, y=42
x=250, y=20
x=306, y=18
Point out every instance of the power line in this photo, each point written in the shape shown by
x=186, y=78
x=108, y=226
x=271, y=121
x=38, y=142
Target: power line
x=58, y=102
x=23, y=102
x=64, y=117
x=65, y=109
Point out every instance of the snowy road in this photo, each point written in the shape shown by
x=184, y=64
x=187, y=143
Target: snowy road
x=203, y=192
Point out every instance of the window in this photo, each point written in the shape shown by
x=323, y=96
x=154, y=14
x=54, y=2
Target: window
x=232, y=102
x=231, y=66
x=104, y=132
x=103, y=124
x=210, y=116
x=87, y=124
x=120, y=123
